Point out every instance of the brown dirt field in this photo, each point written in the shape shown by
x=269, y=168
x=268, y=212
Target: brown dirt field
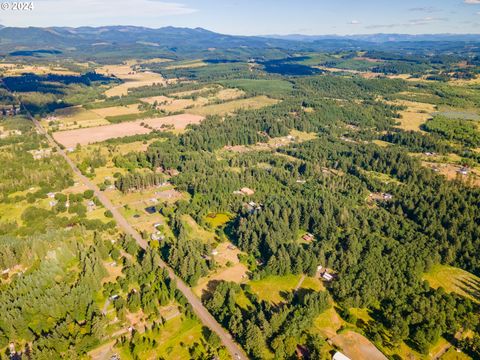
x=131, y=78
x=236, y=273
x=71, y=138
x=171, y=195
x=450, y=171
x=357, y=347
x=368, y=59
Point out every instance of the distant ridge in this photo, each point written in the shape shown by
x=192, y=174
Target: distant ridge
x=380, y=37
x=177, y=42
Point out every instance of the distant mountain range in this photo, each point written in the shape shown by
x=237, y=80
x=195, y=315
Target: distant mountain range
x=108, y=41
x=381, y=38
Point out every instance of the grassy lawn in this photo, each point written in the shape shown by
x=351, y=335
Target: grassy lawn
x=195, y=231
x=415, y=115
x=271, y=288
x=243, y=301
x=175, y=337
x=218, y=220
x=362, y=314
x=387, y=179
x=328, y=323
x=452, y=354
x=301, y=136
x=454, y=280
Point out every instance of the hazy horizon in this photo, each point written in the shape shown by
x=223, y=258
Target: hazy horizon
x=267, y=17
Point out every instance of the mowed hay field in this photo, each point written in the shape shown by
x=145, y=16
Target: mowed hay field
x=206, y=105
x=415, y=115
x=19, y=69
x=71, y=138
x=75, y=117
x=274, y=288
x=231, y=106
x=455, y=280
x=117, y=110
x=132, y=79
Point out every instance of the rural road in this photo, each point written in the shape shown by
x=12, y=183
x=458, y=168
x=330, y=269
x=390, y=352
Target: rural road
x=205, y=317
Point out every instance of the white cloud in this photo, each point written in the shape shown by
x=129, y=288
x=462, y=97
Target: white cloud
x=97, y=12
x=472, y=1
x=354, y=22
x=428, y=9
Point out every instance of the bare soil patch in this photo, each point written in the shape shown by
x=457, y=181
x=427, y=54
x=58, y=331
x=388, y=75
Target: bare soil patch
x=132, y=78
x=71, y=138
x=356, y=346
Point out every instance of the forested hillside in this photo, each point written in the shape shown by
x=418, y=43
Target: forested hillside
x=306, y=198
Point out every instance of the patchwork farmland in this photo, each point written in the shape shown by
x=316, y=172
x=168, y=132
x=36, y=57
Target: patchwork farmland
x=71, y=138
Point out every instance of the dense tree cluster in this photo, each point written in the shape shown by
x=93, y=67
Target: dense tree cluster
x=263, y=327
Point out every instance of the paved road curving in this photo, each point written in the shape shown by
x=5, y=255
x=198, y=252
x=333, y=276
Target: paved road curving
x=205, y=317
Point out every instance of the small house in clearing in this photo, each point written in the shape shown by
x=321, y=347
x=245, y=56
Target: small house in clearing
x=387, y=196
x=463, y=170
x=327, y=277
x=308, y=237
x=247, y=191
x=157, y=236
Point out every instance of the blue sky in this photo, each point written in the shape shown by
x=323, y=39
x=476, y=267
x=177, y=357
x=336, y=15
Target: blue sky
x=258, y=17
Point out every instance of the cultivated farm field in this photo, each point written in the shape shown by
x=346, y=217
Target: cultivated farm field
x=131, y=78
x=71, y=138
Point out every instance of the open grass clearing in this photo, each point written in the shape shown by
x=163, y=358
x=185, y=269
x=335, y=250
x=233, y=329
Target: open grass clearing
x=455, y=280
x=272, y=87
x=195, y=231
x=74, y=117
x=328, y=323
x=453, y=354
x=273, y=288
x=232, y=106
x=415, y=115
x=217, y=220
x=117, y=110
x=192, y=64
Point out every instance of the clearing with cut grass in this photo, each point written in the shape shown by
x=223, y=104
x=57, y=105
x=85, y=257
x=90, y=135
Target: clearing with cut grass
x=131, y=78
x=229, y=107
x=455, y=280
